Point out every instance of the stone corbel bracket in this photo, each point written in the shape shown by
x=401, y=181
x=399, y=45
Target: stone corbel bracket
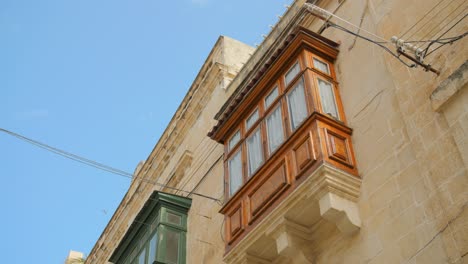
x=329, y=195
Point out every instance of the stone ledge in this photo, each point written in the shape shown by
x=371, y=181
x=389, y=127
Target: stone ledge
x=327, y=196
x=450, y=87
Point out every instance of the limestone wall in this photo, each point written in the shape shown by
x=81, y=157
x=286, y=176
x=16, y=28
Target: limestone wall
x=412, y=159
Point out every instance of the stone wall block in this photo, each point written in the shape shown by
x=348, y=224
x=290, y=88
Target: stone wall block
x=458, y=187
x=431, y=132
x=432, y=207
x=424, y=115
x=379, y=175
x=409, y=176
x=434, y=253
x=406, y=156
x=411, y=243
x=459, y=227
x=383, y=195
x=450, y=246
x=400, y=203
x=400, y=226
x=389, y=255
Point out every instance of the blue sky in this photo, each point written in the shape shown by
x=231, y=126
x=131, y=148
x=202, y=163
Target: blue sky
x=100, y=79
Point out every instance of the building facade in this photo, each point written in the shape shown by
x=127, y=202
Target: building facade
x=74, y=257
x=318, y=146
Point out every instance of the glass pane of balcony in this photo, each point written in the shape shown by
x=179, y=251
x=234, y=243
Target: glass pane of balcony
x=251, y=120
x=235, y=172
x=141, y=258
x=321, y=66
x=327, y=97
x=234, y=140
x=172, y=246
x=254, y=151
x=295, y=69
x=152, y=248
x=297, y=105
x=270, y=98
x=174, y=219
x=275, y=132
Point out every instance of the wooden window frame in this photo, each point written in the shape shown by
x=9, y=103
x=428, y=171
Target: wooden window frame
x=254, y=124
x=277, y=104
x=334, y=91
x=317, y=58
x=260, y=127
x=228, y=148
x=309, y=75
x=276, y=100
x=227, y=174
x=288, y=90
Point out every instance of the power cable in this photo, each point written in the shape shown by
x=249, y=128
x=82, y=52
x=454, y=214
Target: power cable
x=441, y=40
x=98, y=165
x=436, y=25
x=380, y=44
x=427, y=13
x=430, y=20
x=450, y=42
x=401, y=44
x=325, y=15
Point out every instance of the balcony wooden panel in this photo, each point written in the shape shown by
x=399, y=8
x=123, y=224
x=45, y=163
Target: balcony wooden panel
x=319, y=140
x=304, y=154
x=267, y=190
x=235, y=223
x=337, y=147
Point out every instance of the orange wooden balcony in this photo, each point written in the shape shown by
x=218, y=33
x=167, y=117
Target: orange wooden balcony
x=320, y=141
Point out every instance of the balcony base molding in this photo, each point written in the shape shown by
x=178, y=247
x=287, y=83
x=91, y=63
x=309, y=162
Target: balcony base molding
x=342, y=212
x=325, y=199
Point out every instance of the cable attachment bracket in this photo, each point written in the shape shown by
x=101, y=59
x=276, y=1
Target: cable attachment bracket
x=403, y=46
x=427, y=67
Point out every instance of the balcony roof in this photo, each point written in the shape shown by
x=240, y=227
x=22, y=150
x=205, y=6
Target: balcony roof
x=243, y=91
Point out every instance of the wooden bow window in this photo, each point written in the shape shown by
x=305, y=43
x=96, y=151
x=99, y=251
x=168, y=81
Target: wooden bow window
x=289, y=124
x=308, y=84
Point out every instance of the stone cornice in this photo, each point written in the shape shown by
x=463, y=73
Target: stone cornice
x=450, y=87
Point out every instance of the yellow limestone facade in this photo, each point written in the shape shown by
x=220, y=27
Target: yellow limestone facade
x=410, y=140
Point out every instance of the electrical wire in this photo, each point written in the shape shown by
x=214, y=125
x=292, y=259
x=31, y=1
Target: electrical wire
x=432, y=51
x=98, y=165
x=380, y=44
x=460, y=37
x=315, y=8
x=436, y=25
x=430, y=20
x=427, y=13
x=442, y=40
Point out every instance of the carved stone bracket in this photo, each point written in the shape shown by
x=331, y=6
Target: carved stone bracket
x=342, y=212
x=291, y=241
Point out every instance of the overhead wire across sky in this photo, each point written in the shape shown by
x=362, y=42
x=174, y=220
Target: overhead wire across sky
x=99, y=165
